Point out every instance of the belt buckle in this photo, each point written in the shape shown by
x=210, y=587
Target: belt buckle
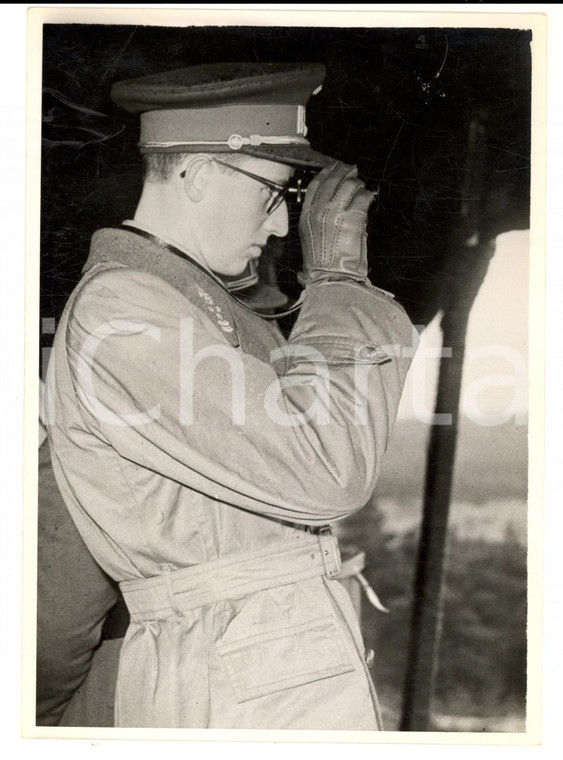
x=330, y=552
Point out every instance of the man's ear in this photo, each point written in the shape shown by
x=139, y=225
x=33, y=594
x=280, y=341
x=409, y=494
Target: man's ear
x=196, y=177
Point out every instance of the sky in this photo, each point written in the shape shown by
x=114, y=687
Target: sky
x=495, y=374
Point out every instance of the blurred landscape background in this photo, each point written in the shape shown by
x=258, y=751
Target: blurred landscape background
x=481, y=680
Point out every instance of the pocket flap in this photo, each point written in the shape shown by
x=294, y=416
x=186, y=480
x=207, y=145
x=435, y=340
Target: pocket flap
x=268, y=662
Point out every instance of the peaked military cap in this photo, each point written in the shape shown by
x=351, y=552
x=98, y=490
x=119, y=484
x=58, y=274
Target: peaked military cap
x=254, y=108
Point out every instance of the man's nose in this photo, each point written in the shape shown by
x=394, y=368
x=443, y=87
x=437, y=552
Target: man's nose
x=278, y=222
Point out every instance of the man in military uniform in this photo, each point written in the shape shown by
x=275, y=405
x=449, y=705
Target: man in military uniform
x=201, y=455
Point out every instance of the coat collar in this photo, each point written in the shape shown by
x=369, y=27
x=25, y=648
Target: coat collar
x=142, y=251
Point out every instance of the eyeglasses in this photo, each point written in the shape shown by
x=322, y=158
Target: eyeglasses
x=297, y=186
x=279, y=192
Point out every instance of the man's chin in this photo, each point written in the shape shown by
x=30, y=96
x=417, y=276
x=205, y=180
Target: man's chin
x=243, y=276
x=244, y=264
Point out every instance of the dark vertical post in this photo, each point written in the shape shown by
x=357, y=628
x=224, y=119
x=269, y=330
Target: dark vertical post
x=469, y=259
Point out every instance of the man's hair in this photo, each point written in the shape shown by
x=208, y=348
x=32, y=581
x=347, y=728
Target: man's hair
x=160, y=167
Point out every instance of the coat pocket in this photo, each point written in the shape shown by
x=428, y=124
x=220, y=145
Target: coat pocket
x=293, y=656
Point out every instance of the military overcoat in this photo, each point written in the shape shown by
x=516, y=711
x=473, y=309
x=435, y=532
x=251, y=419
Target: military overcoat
x=201, y=456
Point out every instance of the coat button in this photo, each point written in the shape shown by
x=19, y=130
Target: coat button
x=368, y=352
x=369, y=657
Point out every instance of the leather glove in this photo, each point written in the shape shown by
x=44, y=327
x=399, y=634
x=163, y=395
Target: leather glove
x=332, y=226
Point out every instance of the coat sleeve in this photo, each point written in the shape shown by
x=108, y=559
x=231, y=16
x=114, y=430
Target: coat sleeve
x=300, y=438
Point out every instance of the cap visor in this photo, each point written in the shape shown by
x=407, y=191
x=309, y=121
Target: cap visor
x=294, y=155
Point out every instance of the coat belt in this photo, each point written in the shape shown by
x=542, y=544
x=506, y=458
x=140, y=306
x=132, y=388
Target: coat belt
x=177, y=591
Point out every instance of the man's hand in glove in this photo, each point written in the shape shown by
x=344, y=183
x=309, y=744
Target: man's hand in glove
x=332, y=226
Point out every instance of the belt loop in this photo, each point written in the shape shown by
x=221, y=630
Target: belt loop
x=330, y=552
x=167, y=575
